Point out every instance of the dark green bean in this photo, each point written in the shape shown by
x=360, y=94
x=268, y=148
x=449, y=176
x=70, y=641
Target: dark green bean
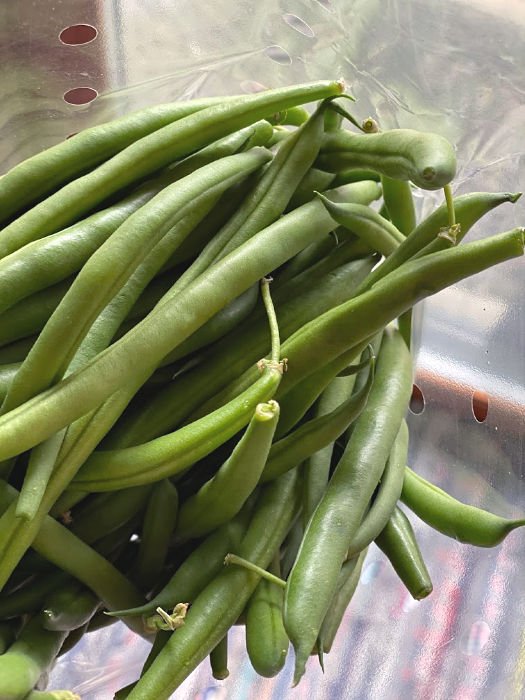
x=69, y=607
x=316, y=433
x=17, y=350
x=219, y=659
x=340, y=511
x=266, y=640
x=398, y=542
x=218, y=607
x=30, y=597
x=344, y=177
x=157, y=530
x=388, y=494
x=347, y=584
x=7, y=635
x=444, y=513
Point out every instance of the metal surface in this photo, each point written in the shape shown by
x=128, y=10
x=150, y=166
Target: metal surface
x=456, y=67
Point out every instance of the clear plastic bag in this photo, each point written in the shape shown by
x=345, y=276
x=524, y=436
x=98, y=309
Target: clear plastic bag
x=453, y=67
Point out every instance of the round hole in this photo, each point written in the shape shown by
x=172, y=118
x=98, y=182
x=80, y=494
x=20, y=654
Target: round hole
x=480, y=405
x=417, y=400
x=78, y=34
x=80, y=95
x=278, y=54
x=299, y=25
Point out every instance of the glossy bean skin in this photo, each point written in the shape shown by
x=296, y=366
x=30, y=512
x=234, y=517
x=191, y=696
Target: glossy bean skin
x=398, y=542
x=399, y=203
x=453, y=518
x=389, y=492
x=427, y=159
x=218, y=607
x=68, y=608
x=149, y=154
x=313, y=578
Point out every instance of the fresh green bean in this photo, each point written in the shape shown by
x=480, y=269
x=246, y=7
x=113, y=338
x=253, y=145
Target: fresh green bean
x=388, y=495
x=30, y=597
x=399, y=203
x=427, y=159
x=24, y=662
x=453, y=518
x=347, y=584
x=266, y=640
x=157, y=530
x=219, y=659
x=368, y=225
x=68, y=607
x=218, y=607
x=151, y=153
x=237, y=477
x=316, y=433
x=313, y=180
x=341, y=509
x=398, y=542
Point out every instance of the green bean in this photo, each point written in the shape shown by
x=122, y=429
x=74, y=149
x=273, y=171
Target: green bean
x=368, y=225
x=7, y=372
x=39, y=469
x=27, y=182
x=219, y=659
x=316, y=433
x=237, y=477
x=228, y=357
x=427, y=159
x=266, y=640
x=293, y=116
x=151, y=153
x=24, y=662
x=266, y=202
x=313, y=180
x=30, y=315
x=217, y=608
x=68, y=607
x=397, y=195
x=157, y=530
x=62, y=548
x=453, y=518
x=341, y=509
x=30, y=597
x=469, y=208
x=344, y=177
x=111, y=266
x=398, y=542
x=291, y=545
x=24, y=427
x=388, y=494
x=108, y=512
x=347, y=584
x=218, y=326
x=198, y=570
x=17, y=350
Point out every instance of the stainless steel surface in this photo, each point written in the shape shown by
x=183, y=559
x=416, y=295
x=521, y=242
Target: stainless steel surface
x=456, y=67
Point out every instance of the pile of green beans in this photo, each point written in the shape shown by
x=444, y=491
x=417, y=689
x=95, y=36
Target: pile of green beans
x=205, y=372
